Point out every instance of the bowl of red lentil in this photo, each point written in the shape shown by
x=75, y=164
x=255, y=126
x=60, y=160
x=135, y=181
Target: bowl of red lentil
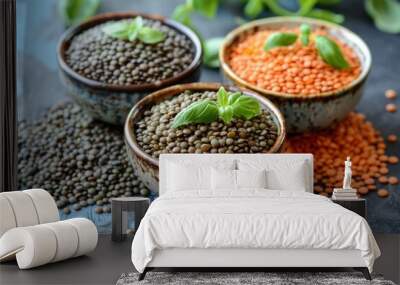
x=310, y=93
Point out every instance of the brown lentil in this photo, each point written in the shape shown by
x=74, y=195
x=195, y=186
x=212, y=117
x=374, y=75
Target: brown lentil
x=99, y=57
x=295, y=69
x=155, y=135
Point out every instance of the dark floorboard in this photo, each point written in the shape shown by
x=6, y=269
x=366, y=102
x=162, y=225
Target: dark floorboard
x=111, y=259
x=103, y=266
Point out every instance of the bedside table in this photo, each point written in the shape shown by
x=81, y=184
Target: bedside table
x=126, y=211
x=358, y=206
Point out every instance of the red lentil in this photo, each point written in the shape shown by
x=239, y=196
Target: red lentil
x=294, y=69
x=331, y=147
x=383, y=193
x=390, y=94
x=391, y=108
x=392, y=138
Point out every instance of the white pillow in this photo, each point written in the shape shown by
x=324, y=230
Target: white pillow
x=251, y=178
x=291, y=180
x=281, y=175
x=188, y=176
x=223, y=179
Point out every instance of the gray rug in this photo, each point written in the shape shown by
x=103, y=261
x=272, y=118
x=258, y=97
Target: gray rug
x=243, y=278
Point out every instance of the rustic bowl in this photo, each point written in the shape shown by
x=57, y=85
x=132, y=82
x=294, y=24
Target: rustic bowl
x=146, y=166
x=111, y=103
x=305, y=113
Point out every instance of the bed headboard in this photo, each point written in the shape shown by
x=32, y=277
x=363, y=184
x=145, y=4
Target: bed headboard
x=212, y=159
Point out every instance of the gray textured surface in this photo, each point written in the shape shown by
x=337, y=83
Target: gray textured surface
x=39, y=28
x=247, y=278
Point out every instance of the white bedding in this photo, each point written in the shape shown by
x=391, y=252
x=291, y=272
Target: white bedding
x=253, y=218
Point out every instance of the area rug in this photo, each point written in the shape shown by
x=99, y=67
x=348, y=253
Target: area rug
x=244, y=278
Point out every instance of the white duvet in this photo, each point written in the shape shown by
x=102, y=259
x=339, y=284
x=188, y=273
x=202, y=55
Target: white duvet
x=250, y=219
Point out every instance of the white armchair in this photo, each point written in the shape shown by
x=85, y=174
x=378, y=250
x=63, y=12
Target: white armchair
x=31, y=232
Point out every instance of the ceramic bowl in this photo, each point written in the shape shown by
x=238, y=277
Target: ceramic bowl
x=146, y=166
x=306, y=113
x=111, y=103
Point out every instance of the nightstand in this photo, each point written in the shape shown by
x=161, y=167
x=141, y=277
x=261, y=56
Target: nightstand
x=126, y=212
x=358, y=206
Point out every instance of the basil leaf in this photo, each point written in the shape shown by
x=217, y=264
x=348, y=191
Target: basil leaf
x=279, y=40
x=330, y=52
x=233, y=97
x=182, y=14
x=134, y=28
x=246, y=107
x=305, y=31
x=306, y=6
x=326, y=15
x=222, y=97
x=226, y=113
x=253, y=8
x=385, y=13
x=207, y=8
x=118, y=29
x=204, y=111
x=137, y=23
x=211, y=52
x=150, y=35
x=74, y=12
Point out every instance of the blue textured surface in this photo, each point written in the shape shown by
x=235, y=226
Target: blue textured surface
x=38, y=87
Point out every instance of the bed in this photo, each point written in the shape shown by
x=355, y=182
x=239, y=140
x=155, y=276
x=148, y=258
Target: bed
x=247, y=210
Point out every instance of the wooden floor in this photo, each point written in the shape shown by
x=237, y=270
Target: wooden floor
x=111, y=259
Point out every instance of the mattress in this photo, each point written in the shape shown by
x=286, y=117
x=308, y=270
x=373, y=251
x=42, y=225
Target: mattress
x=250, y=219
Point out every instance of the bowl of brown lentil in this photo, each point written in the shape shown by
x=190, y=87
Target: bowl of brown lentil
x=310, y=93
x=106, y=74
x=148, y=129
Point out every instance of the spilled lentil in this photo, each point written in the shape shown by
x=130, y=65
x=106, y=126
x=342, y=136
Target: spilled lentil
x=80, y=162
x=331, y=147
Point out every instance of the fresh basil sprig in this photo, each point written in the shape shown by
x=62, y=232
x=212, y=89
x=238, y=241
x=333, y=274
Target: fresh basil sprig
x=330, y=52
x=132, y=30
x=385, y=13
x=228, y=106
x=280, y=40
x=207, y=8
x=211, y=52
x=204, y=111
x=74, y=12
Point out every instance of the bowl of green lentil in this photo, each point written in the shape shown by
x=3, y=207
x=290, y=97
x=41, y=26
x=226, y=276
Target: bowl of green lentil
x=148, y=129
x=107, y=75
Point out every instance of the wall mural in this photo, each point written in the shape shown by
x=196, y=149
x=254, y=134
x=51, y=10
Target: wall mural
x=77, y=86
